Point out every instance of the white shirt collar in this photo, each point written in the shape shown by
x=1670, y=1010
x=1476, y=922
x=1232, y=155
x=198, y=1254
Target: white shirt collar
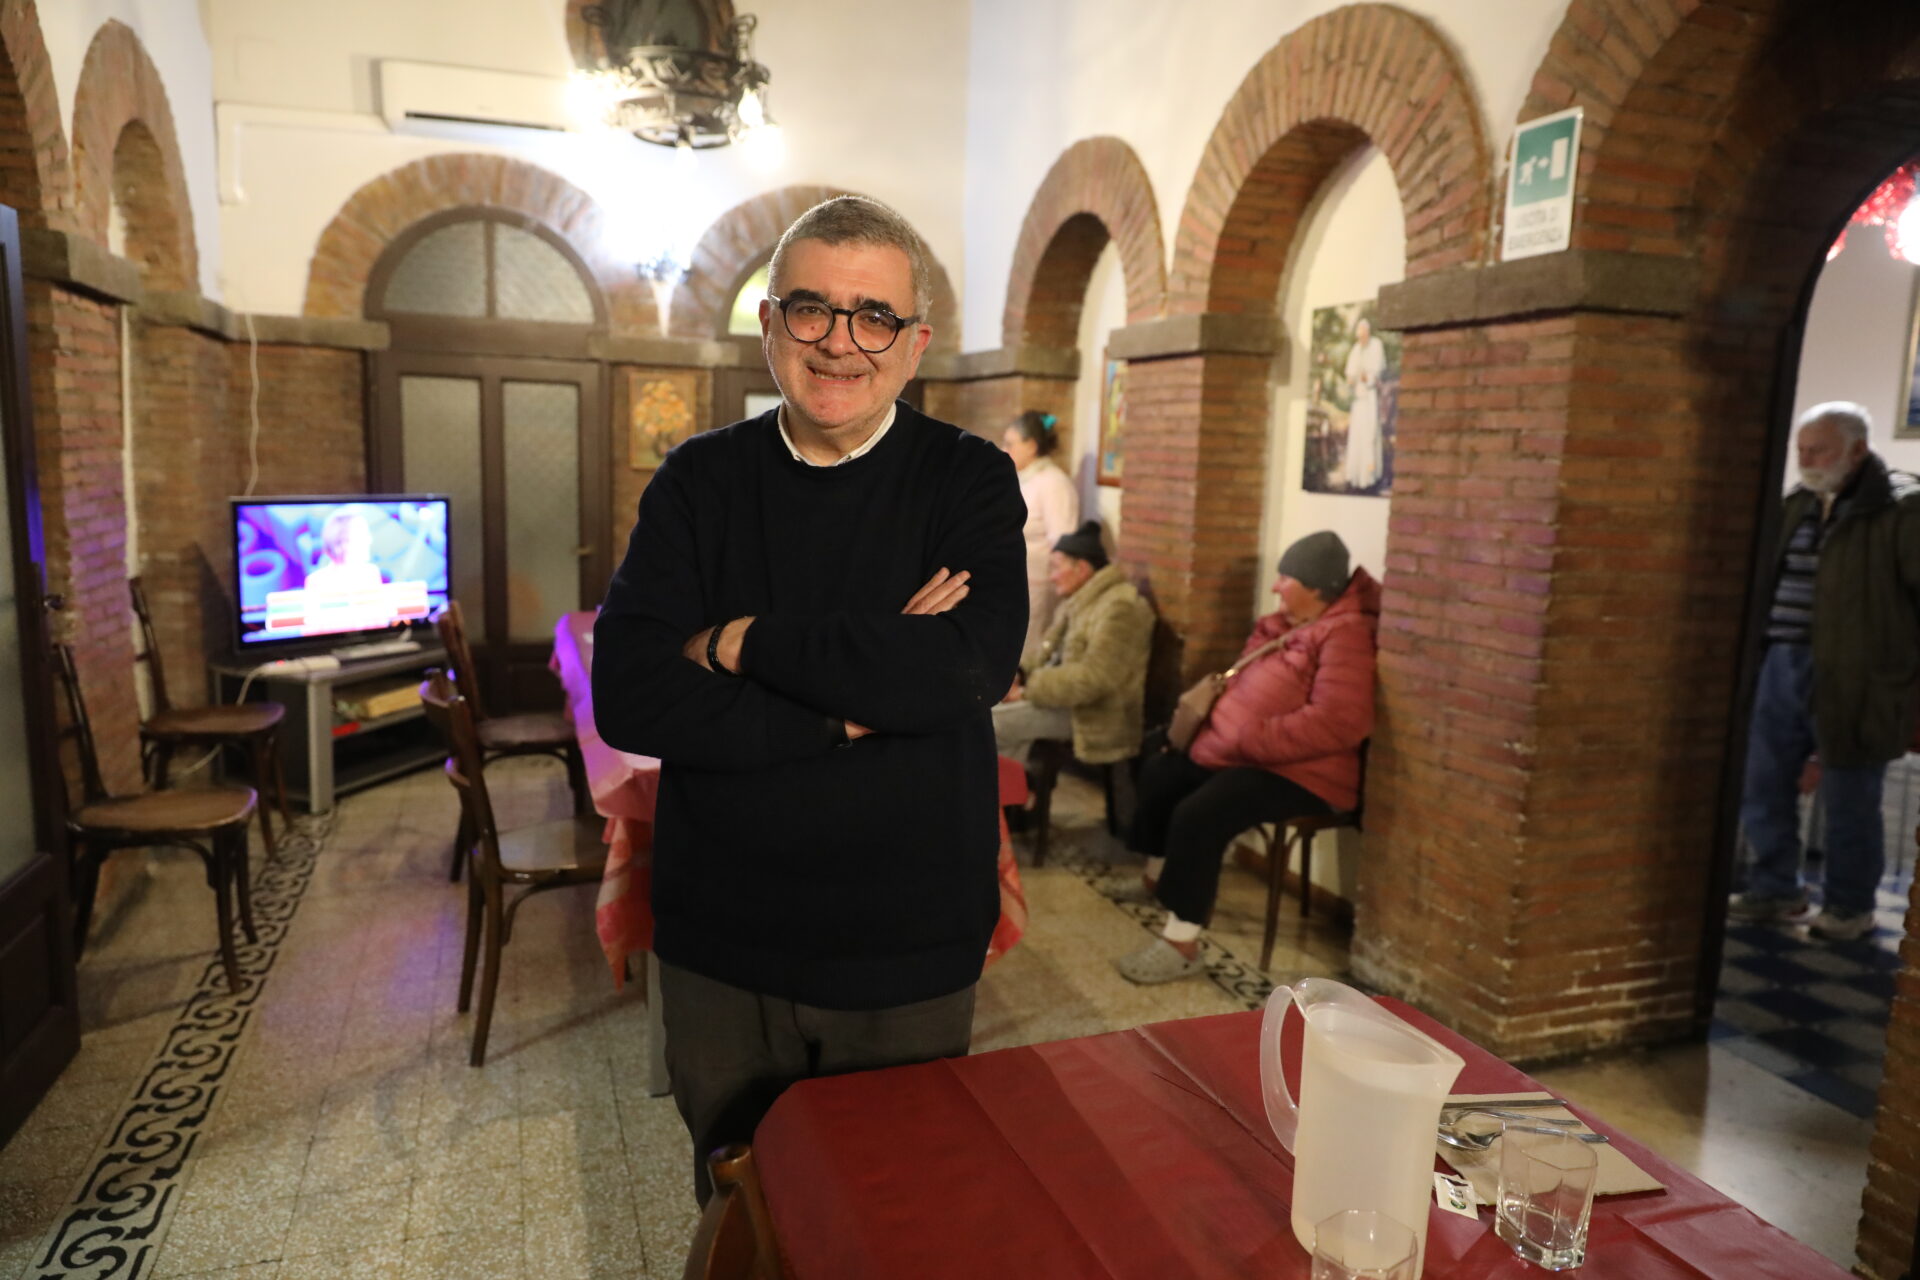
x=861, y=452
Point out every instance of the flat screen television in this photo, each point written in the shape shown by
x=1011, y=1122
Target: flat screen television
x=314, y=569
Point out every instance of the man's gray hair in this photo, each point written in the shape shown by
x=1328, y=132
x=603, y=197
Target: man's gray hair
x=858, y=220
x=1854, y=421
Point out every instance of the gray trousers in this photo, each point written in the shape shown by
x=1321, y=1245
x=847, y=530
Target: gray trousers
x=730, y=1052
x=1018, y=725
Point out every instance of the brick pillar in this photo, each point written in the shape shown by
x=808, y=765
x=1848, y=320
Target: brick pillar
x=1462, y=645
x=986, y=406
x=1567, y=564
x=1195, y=480
x=1198, y=410
x=74, y=358
x=186, y=464
x=1892, y=1196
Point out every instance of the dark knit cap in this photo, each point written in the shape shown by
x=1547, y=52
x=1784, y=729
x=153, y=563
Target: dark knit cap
x=1084, y=544
x=1318, y=562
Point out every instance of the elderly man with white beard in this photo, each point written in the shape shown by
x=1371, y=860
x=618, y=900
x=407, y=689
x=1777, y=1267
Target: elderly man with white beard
x=1839, y=676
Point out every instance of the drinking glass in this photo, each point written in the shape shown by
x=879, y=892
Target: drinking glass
x=1546, y=1194
x=1363, y=1244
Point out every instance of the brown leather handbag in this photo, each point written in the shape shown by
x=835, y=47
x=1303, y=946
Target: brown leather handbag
x=1196, y=704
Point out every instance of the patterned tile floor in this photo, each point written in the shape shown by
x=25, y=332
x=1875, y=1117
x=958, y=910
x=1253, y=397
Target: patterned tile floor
x=1813, y=1013
x=324, y=1122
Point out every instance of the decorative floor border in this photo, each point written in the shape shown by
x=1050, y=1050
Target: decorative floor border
x=120, y=1211
x=1242, y=982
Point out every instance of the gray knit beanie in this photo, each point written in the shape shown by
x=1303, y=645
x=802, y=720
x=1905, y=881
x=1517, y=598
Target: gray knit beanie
x=1084, y=544
x=1318, y=562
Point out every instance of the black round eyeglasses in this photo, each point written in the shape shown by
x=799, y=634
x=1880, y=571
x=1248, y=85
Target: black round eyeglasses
x=873, y=329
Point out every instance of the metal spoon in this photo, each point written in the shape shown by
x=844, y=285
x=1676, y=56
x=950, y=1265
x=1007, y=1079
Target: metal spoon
x=1480, y=1138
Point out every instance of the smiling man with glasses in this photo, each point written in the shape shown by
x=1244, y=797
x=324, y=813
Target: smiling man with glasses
x=841, y=572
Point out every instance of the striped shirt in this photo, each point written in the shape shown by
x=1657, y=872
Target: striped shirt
x=1791, y=620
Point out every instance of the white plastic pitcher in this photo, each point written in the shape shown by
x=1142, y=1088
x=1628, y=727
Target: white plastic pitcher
x=1371, y=1089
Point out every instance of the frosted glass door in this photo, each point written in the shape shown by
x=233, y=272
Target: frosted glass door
x=440, y=453
x=540, y=430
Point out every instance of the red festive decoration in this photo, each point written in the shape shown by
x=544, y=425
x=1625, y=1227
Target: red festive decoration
x=1892, y=208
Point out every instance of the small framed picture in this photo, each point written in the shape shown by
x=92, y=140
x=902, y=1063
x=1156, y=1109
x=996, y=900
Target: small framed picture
x=660, y=405
x=1111, y=459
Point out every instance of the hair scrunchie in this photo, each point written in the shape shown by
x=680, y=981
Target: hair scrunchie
x=1047, y=420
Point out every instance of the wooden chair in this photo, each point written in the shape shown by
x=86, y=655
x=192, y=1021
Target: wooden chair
x=549, y=855
x=211, y=821
x=735, y=1238
x=1044, y=763
x=537, y=733
x=1282, y=837
x=251, y=726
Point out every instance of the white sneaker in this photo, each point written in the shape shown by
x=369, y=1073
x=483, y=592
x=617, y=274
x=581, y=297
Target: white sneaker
x=1831, y=926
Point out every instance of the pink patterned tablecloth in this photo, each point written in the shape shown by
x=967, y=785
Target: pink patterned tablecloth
x=625, y=787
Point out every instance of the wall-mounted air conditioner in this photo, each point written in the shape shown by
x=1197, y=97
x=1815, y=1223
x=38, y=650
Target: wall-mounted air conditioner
x=426, y=97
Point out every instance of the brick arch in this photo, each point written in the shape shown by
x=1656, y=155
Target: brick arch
x=742, y=239
x=375, y=215
x=1702, y=113
x=1366, y=72
x=1735, y=138
x=124, y=148
x=35, y=177
x=1097, y=192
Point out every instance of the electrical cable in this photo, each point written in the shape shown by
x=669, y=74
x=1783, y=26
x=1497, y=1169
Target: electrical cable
x=238, y=699
x=253, y=405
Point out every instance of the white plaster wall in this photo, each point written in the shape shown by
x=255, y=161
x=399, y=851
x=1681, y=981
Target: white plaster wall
x=1858, y=343
x=1103, y=311
x=864, y=103
x=176, y=41
x=1157, y=75
x=1352, y=243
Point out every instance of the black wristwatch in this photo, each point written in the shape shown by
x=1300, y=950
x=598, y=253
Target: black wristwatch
x=713, y=651
x=837, y=733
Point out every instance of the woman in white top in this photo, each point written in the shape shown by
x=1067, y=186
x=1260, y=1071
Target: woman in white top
x=1366, y=365
x=1053, y=509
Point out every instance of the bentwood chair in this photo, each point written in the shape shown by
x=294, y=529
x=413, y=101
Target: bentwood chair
x=253, y=727
x=211, y=821
x=532, y=859
x=1283, y=837
x=537, y=733
x=735, y=1238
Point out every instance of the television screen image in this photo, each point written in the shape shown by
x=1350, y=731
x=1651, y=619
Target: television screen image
x=310, y=568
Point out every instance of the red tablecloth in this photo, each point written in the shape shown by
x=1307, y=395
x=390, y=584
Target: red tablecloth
x=625, y=787
x=1147, y=1153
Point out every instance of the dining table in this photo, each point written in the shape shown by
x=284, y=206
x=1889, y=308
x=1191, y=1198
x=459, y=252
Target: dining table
x=625, y=788
x=1147, y=1153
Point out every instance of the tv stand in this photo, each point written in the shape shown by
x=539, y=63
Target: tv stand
x=376, y=649
x=325, y=755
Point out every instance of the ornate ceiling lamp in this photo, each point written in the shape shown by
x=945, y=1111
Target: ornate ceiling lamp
x=678, y=73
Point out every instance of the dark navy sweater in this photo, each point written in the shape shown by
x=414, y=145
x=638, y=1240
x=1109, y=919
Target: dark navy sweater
x=857, y=877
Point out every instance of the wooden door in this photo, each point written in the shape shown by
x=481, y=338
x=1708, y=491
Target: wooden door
x=520, y=446
x=39, y=1011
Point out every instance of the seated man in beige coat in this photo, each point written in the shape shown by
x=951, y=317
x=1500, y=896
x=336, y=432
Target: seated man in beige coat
x=1085, y=677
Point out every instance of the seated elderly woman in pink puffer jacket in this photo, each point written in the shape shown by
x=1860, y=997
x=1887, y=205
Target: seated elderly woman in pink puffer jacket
x=1283, y=741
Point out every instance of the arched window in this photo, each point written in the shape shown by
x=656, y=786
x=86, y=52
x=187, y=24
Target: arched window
x=744, y=319
x=481, y=268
